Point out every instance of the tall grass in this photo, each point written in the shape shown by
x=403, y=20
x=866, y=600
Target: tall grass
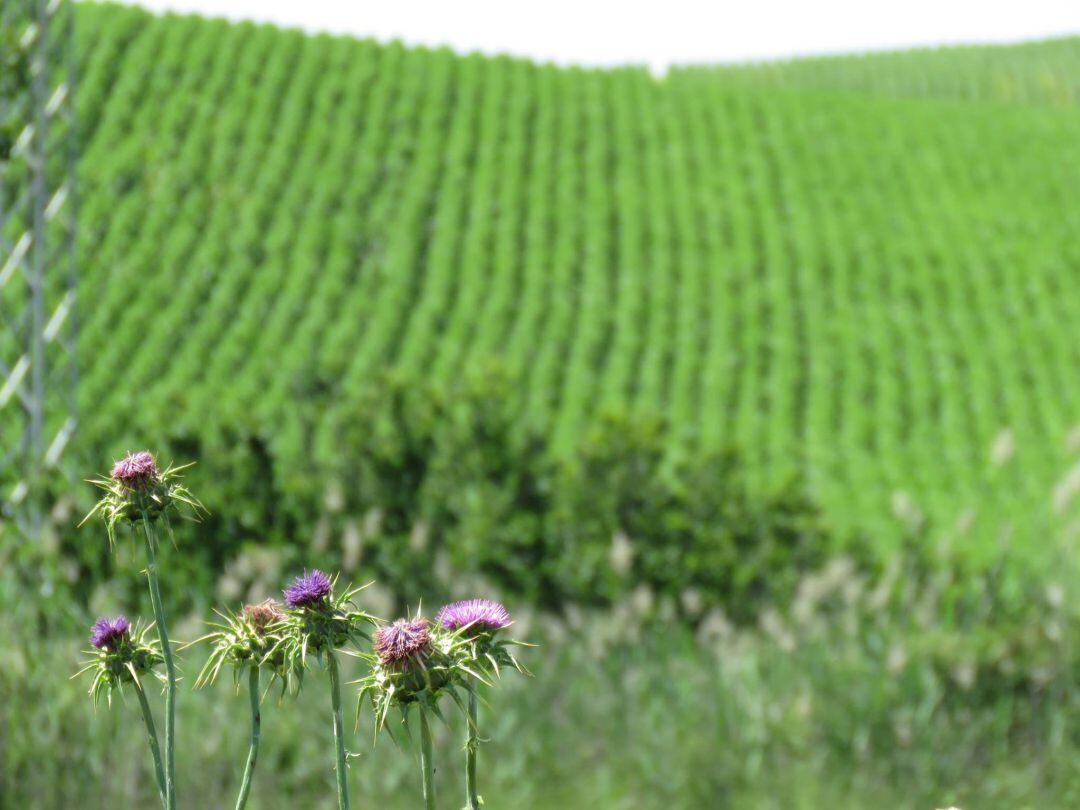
x=861, y=694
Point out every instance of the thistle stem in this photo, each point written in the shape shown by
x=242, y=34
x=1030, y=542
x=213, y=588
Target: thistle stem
x=339, y=730
x=256, y=725
x=151, y=733
x=427, y=761
x=170, y=667
x=472, y=745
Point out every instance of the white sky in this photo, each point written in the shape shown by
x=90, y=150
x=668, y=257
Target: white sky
x=606, y=32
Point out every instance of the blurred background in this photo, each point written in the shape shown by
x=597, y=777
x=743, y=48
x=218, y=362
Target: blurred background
x=743, y=372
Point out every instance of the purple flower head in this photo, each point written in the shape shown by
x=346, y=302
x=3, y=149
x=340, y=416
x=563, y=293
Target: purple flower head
x=106, y=634
x=478, y=614
x=309, y=589
x=397, y=642
x=135, y=470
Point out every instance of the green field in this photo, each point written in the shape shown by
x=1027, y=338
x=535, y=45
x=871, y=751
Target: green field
x=1043, y=73
x=862, y=269
x=620, y=715
x=751, y=389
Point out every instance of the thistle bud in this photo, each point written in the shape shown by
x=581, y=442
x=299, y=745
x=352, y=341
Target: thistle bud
x=251, y=638
x=403, y=641
x=318, y=620
x=262, y=615
x=136, y=492
x=477, y=622
x=412, y=658
x=122, y=653
x=136, y=471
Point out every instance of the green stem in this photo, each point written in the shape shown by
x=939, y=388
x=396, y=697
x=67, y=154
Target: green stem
x=151, y=733
x=170, y=668
x=339, y=730
x=427, y=761
x=256, y=724
x=472, y=745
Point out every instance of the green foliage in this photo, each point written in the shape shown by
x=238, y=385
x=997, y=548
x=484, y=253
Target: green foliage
x=462, y=322
x=450, y=476
x=439, y=491
x=16, y=43
x=1036, y=73
x=929, y=684
x=866, y=291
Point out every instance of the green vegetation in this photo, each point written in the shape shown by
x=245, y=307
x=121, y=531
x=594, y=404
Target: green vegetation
x=761, y=380
x=888, y=692
x=1037, y=73
x=866, y=291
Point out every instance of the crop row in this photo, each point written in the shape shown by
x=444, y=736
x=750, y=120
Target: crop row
x=1036, y=73
x=868, y=290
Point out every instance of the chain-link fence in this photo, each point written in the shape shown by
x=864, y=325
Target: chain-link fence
x=37, y=254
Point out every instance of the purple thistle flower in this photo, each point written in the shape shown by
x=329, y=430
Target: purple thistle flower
x=106, y=634
x=479, y=614
x=135, y=470
x=401, y=640
x=308, y=590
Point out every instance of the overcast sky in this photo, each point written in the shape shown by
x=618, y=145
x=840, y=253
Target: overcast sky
x=602, y=32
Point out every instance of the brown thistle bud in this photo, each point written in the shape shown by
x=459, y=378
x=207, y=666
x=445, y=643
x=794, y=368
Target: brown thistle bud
x=263, y=614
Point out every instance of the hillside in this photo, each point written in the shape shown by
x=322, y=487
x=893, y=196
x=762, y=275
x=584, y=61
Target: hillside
x=872, y=288
x=1045, y=73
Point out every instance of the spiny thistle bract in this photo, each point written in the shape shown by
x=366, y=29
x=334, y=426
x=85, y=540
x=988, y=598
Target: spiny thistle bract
x=251, y=640
x=253, y=637
x=122, y=653
x=316, y=620
x=397, y=643
x=479, y=622
x=414, y=662
x=477, y=614
x=136, y=491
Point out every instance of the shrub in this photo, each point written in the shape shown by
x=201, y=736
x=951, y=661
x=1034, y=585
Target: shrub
x=422, y=472
x=451, y=469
